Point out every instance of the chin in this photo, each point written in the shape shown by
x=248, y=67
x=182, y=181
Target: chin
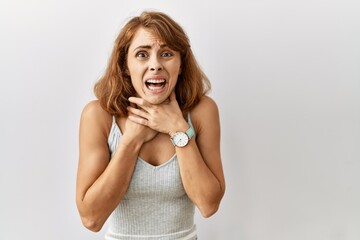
x=156, y=99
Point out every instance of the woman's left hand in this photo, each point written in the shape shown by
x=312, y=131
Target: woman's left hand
x=165, y=117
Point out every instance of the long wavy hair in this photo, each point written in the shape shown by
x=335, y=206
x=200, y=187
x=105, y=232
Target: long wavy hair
x=114, y=88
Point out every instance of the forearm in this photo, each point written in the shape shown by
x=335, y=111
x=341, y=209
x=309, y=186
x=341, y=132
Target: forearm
x=201, y=185
x=102, y=197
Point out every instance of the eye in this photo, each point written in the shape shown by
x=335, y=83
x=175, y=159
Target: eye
x=141, y=54
x=167, y=54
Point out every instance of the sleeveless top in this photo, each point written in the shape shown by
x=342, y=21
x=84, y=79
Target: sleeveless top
x=155, y=205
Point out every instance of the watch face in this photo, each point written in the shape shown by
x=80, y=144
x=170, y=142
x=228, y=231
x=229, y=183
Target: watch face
x=180, y=139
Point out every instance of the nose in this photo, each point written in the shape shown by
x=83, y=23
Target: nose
x=155, y=65
x=155, y=68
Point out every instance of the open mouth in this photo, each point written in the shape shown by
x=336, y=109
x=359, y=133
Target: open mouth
x=155, y=84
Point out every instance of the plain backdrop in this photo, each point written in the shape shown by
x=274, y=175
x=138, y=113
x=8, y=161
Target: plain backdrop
x=286, y=78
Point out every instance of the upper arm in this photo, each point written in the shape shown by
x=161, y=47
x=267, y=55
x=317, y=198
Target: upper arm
x=93, y=148
x=206, y=120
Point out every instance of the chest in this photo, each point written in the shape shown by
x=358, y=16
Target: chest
x=156, y=182
x=157, y=151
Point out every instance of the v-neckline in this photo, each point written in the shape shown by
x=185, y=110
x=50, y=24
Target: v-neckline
x=141, y=159
x=157, y=166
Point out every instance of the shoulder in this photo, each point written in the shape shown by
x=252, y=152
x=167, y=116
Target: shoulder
x=94, y=115
x=205, y=112
x=93, y=110
x=206, y=101
x=206, y=106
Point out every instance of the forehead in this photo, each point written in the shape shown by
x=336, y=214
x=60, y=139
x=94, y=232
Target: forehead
x=144, y=37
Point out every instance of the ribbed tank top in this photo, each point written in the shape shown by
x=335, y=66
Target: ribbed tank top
x=155, y=205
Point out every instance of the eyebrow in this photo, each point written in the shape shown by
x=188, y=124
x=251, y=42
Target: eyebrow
x=148, y=47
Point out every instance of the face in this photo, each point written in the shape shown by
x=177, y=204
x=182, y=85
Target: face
x=153, y=67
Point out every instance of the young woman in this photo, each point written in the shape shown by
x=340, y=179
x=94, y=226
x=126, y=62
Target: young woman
x=150, y=143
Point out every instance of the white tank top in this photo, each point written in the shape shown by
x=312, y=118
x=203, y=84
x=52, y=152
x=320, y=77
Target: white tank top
x=155, y=205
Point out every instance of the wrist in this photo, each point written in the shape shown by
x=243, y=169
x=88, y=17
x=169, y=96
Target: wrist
x=132, y=143
x=182, y=138
x=181, y=126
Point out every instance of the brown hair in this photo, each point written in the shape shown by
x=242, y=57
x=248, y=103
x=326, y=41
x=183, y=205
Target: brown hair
x=114, y=88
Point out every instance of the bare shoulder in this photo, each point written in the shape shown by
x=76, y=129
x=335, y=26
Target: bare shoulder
x=206, y=102
x=206, y=107
x=94, y=115
x=93, y=108
x=206, y=112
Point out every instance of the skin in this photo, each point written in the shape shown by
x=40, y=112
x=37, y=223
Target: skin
x=149, y=58
x=153, y=117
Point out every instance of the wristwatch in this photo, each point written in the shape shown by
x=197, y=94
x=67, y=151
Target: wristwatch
x=181, y=139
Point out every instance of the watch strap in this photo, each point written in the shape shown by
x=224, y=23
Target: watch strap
x=190, y=132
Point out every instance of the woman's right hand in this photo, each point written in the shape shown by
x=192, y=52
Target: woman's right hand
x=138, y=132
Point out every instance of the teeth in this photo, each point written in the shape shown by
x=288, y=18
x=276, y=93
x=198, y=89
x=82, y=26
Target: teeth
x=155, y=81
x=154, y=87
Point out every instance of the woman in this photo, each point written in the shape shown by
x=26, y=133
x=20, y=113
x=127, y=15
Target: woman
x=150, y=144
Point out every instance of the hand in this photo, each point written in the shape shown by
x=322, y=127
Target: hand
x=165, y=117
x=138, y=131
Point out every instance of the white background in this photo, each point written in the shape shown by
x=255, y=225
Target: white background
x=285, y=75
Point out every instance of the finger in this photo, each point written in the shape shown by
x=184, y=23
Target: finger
x=139, y=102
x=138, y=112
x=137, y=119
x=133, y=105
